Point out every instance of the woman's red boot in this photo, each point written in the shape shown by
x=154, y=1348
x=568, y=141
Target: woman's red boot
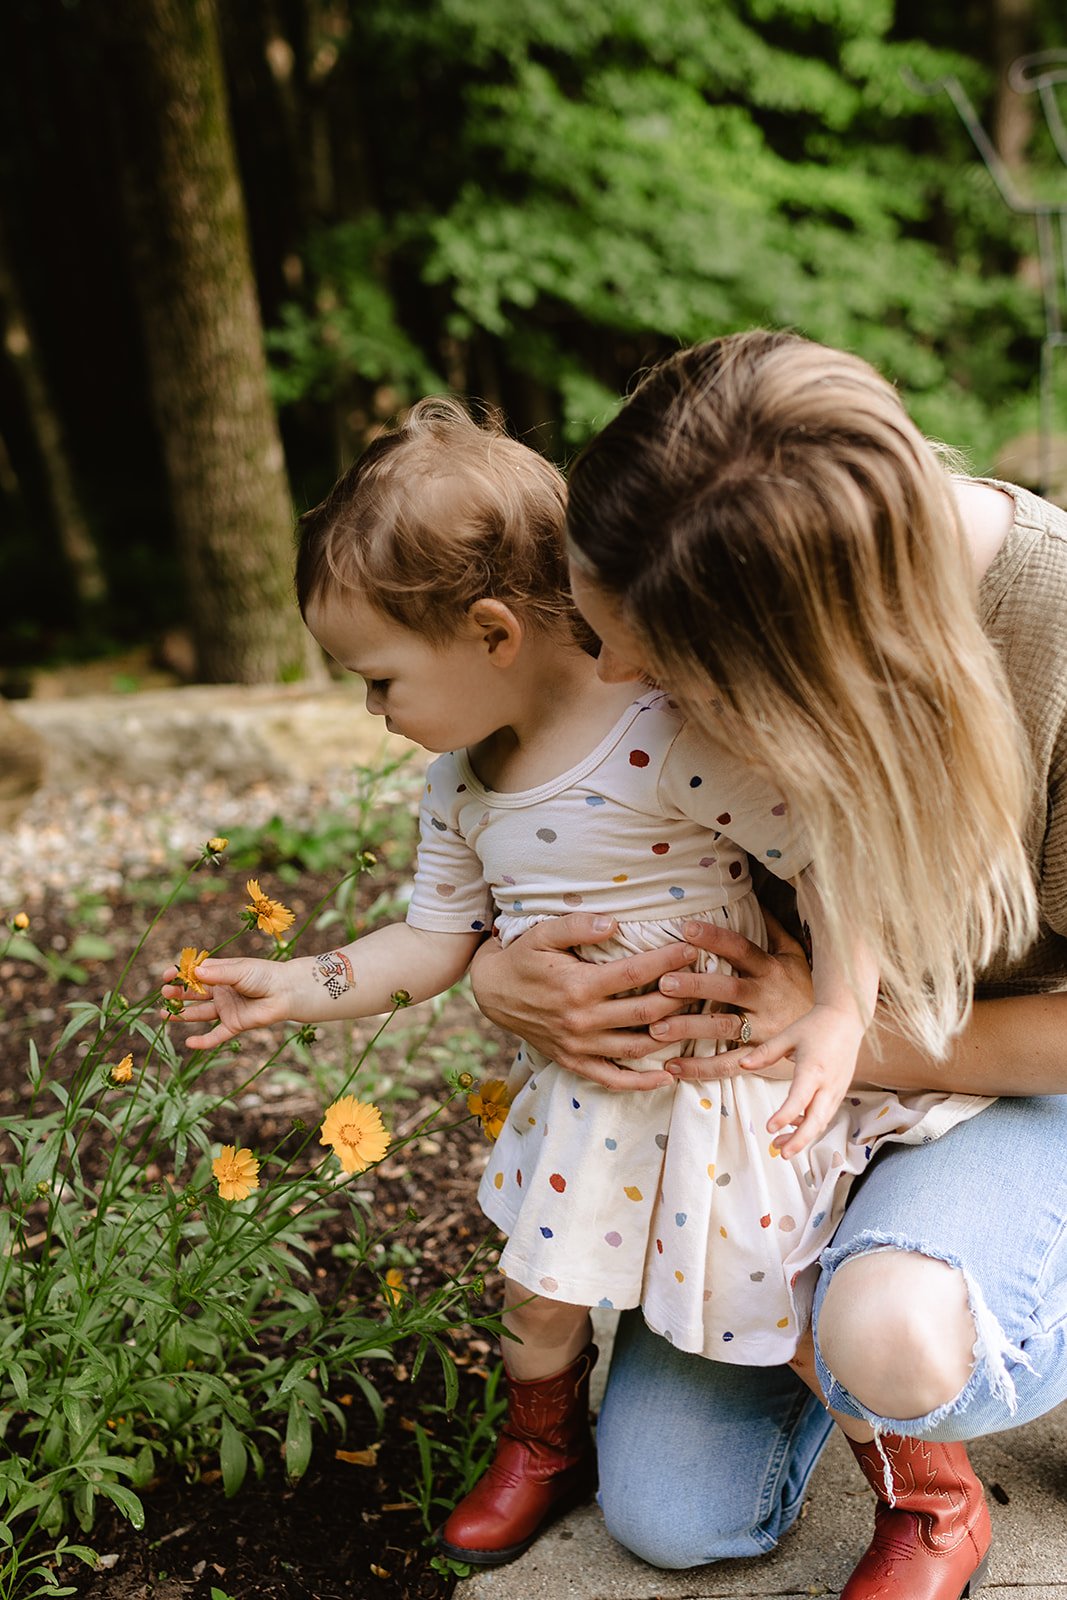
x=545, y=1463
x=931, y=1540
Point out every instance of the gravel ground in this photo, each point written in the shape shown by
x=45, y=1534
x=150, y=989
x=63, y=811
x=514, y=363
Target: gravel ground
x=95, y=838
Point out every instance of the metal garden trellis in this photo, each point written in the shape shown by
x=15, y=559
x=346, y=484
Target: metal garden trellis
x=1038, y=74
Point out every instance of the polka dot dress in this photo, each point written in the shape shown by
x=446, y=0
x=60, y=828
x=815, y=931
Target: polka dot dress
x=672, y=1199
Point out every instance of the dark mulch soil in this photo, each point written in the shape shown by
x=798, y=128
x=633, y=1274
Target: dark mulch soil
x=345, y=1529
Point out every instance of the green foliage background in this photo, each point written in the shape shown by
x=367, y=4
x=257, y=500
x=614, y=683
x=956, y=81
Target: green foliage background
x=589, y=183
x=525, y=201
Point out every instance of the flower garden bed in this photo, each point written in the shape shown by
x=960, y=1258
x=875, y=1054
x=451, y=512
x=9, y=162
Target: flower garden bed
x=243, y=1396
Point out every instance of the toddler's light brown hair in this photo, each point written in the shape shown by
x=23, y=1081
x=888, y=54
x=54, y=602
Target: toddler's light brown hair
x=436, y=514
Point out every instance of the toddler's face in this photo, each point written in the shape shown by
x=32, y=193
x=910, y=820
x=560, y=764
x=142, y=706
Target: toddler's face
x=440, y=696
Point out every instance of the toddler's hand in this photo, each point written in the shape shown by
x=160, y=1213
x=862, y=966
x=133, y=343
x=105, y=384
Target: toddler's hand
x=824, y=1046
x=244, y=994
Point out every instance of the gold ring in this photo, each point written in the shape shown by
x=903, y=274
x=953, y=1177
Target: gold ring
x=745, y=1036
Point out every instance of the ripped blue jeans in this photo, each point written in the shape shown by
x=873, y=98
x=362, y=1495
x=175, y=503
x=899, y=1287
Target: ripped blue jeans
x=700, y=1461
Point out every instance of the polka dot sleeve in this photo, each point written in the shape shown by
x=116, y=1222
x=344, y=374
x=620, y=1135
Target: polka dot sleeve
x=710, y=784
x=450, y=893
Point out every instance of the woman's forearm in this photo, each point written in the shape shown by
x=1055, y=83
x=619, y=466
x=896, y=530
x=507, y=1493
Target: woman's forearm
x=1013, y=1046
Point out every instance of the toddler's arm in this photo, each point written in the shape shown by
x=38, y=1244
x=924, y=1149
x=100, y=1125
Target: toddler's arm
x=356, y=981
x=825, y=1042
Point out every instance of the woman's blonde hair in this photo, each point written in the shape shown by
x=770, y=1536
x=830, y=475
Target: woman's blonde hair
x=436, y=514
x=785, y=545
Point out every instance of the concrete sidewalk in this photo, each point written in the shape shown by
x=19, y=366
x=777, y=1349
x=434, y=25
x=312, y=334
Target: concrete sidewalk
x=1025, y=1473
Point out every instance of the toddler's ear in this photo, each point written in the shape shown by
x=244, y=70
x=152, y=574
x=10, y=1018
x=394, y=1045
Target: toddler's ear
x=500, y=629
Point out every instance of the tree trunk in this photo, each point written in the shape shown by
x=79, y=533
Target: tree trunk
x=61, y=493
x=204, y=340
x=1011, y=35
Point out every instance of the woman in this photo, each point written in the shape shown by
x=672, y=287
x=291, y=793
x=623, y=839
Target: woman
x=763, y=531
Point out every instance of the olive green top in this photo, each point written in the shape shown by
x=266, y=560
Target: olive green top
x=1023, y=599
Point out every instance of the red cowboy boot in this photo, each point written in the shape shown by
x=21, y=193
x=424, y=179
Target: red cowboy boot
x=931, y=1541
x=545, y=1463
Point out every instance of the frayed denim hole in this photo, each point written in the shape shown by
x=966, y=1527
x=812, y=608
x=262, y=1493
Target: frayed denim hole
x=992, y=1349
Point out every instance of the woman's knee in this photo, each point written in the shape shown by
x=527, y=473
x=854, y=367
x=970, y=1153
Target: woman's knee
x=700, y=1461
x=675, y=1512
x=665, y=1536
x=896, y=1331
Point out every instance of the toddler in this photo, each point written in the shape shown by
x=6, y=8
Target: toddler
x=436, y=570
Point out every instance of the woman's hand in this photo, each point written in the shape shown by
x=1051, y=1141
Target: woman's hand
x=771, y=987
x=578, y=1012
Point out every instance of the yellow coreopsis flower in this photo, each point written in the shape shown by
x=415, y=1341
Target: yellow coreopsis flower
x=236, y=1171
x=490, y=1104
x=188, y=962
x=20, y=921
x=218, y=845
x=393, y=1289
x=355, y=1131
x=271, y=916
x=122, y=1071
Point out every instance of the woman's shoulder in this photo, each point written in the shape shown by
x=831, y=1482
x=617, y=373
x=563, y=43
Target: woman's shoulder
x=1024, y=584
x=987, y=512
x=994, y=510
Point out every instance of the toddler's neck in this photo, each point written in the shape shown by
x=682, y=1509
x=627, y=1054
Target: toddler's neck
x=561, y=712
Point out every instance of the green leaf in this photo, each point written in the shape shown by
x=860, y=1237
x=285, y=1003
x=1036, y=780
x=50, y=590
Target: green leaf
x=233, y=1458
x=144, y=1466
x=91, y=947
x=297, y=1439
x=84, y=1504
x=19, y=948
x=451, y=1374
x=127, y=1502
x=371, y=1395
x=295, y=1375
x=48, y=1588
x=77, y=1414
x=81, y=1552
x=173, y=1348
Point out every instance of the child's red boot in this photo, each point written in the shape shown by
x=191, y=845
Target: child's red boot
x=545, y=1463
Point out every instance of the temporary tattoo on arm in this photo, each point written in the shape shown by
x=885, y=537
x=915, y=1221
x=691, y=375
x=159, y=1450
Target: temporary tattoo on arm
x=334, y=971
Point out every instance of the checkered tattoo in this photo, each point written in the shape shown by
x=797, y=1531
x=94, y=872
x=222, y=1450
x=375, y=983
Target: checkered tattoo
x=334, y=971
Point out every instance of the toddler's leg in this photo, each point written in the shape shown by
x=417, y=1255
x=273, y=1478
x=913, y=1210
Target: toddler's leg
x=547, y=1335
x=545, y=1461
